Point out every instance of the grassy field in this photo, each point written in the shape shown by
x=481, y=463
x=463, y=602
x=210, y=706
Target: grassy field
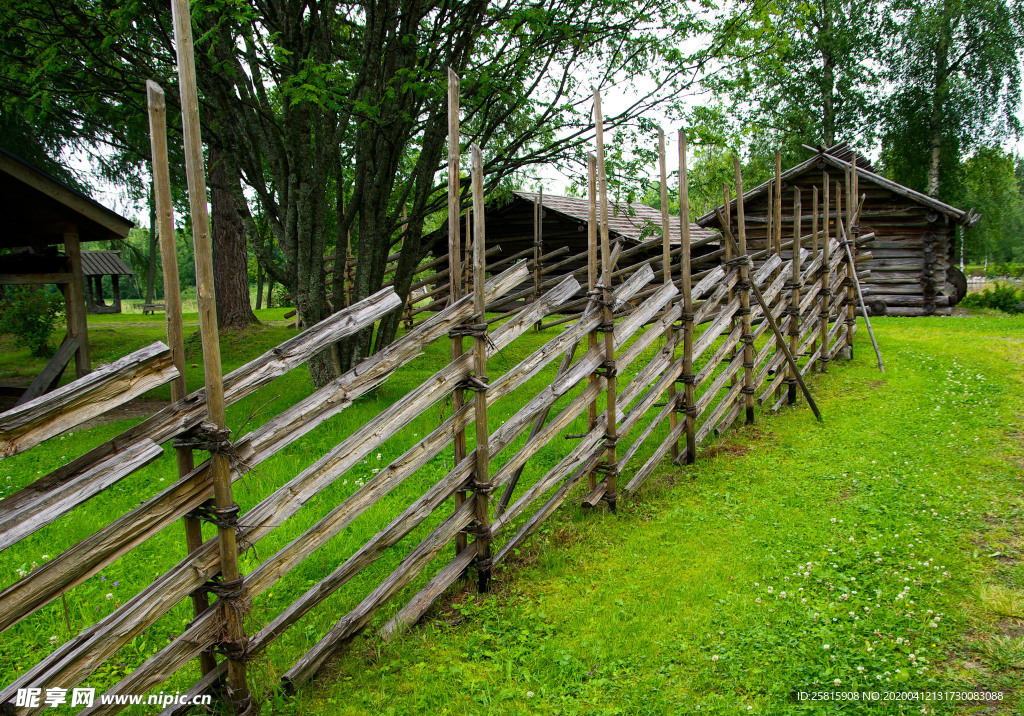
x=881, y=550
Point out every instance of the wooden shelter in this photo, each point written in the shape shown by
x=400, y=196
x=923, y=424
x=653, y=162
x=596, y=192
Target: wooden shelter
x=910, y=272
x=96, y=265
x=45, y=223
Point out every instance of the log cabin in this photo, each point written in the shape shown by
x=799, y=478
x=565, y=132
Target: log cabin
x=910, y=271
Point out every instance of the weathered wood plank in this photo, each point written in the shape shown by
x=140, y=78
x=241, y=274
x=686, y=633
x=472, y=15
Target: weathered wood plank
x=101, y=390
x=28, y=510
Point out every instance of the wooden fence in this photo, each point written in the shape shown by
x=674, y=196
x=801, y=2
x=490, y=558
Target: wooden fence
x=632, y=359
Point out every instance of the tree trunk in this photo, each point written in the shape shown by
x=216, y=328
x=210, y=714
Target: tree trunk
x=230, y=261
x=259, y=286
x=153, y=249
x=828, y=77
x=940, y=96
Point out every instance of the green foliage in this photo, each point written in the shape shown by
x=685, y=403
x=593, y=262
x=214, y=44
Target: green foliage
x=1001, y=269
x=1001, y=297
x=31, y=315
x=954, y=66
x=802, y=73
x=991, y=187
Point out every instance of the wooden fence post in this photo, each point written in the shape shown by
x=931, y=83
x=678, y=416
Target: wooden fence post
x=231, y=590
x=610, y=467
x=729, y=257
x=794, y=296
x=591, y=287
x=777, y=208
x=743, y=285
x=689, y=406
x=538, y=247
x=851, y=243
x=172, y=314
x=826, y=274
x=455, y=272
x=481, y=479
x=815, y=248
x=666, y=259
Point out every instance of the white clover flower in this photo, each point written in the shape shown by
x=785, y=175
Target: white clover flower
x=109, y=595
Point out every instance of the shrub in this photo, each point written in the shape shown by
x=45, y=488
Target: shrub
x=31, y=315
x=1002, y=298
x=1001, y=269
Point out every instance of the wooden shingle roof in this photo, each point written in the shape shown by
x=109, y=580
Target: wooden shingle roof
x=104, y=263
x=633, y=222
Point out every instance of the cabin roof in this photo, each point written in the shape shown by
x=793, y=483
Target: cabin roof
x=35, y=205
x=104, y=263
x=634, y=222
x=839, y=157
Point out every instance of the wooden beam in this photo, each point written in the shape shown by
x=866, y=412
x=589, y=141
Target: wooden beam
x=34, y=279
x=74, y=302
x=47, y=380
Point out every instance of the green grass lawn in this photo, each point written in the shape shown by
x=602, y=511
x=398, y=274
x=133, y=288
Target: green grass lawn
x=879, y=551
x=717, y=590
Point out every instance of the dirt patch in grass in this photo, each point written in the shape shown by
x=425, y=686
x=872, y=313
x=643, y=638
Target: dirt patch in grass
x=138, y=408
x=729, y=449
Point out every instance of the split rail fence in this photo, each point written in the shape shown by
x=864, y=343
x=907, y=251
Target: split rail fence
x=655, y=367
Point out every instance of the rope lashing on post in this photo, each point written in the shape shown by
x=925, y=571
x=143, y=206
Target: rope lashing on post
x=472, y=330
x=475, y=383
x=208, y=437
x=607, y=369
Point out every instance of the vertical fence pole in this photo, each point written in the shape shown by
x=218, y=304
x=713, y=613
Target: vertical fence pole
x=666, y=258
x=776, y=243
x=455, y=270
x=794, y=296
x=744, y=288
x=728, y=257
x=591, y=286
x=826, y=274
x=611, y=468
x=225, y=507
x=815, y=247
x=777, y=208
x=538, y=246
x=689, y=406
x=172, y=313
x=481, y=481
x=467, y=272
x=851, y=295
